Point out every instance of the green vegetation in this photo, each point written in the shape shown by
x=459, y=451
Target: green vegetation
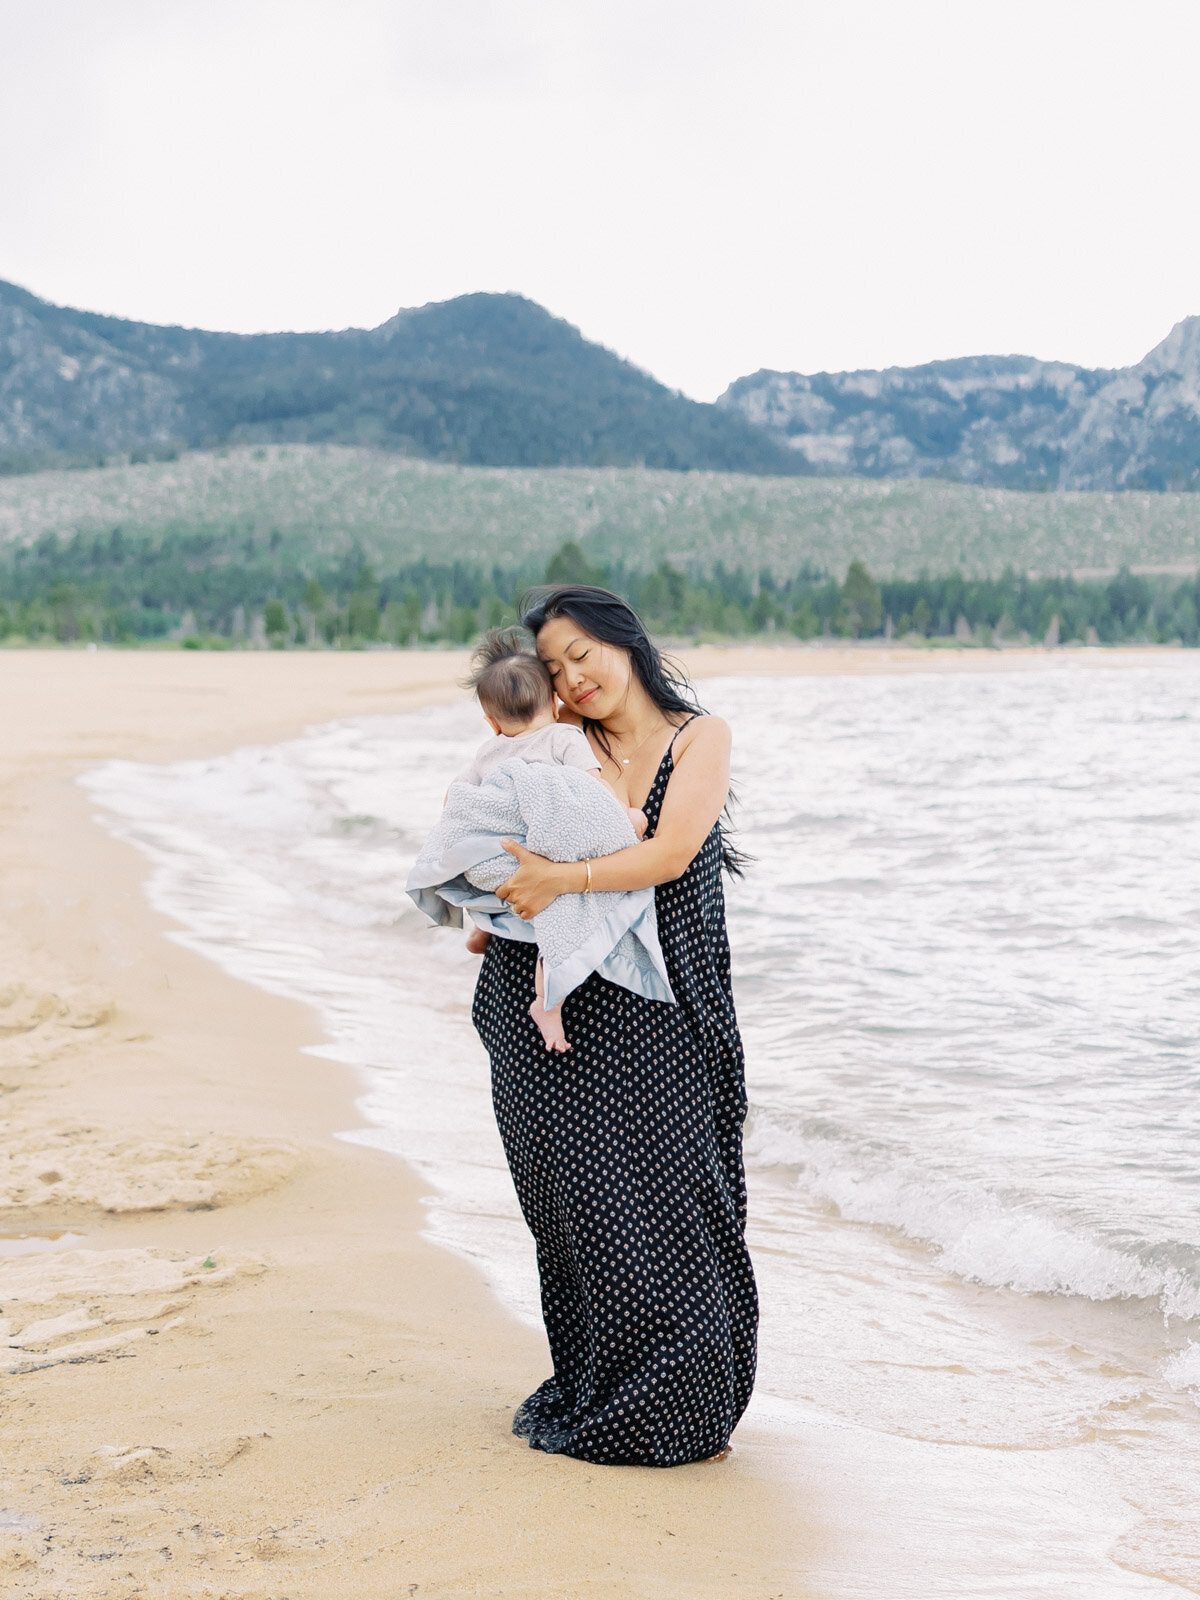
x=325, y=502
x=486, y=378
x=293, y=546
x=207, y=593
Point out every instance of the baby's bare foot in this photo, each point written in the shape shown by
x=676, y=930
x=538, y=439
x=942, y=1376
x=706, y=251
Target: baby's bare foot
x=478, y=941
x=550, y=1025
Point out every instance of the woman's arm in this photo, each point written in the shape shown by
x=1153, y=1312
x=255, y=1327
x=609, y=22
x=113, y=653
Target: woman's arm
x=695, y=797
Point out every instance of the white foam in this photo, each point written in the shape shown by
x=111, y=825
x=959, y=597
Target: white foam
x=1182, y=1371
x=980, y=1236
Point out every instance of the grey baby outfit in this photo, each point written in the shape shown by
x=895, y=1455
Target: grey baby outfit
x=558, y=744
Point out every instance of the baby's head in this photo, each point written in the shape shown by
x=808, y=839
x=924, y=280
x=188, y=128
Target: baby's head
x=511, y=684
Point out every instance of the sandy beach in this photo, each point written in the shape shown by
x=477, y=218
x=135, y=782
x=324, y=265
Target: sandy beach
x=250, y=1376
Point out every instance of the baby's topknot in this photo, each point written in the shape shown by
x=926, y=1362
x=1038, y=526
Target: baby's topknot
x=510, y=682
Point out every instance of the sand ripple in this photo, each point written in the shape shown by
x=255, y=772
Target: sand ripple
x=68, y=1166
x=139, y=1293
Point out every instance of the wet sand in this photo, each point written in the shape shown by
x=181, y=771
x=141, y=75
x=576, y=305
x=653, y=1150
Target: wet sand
x=250, y=1376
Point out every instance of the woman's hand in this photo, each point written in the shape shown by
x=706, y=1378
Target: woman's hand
x=536, y=882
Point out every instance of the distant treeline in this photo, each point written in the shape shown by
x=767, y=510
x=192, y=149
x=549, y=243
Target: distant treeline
x=204, y=590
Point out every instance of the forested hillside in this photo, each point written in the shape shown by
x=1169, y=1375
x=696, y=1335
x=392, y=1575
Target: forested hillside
x=485, y=378
x=322, y=501
x=323, y=544
x=200, y=593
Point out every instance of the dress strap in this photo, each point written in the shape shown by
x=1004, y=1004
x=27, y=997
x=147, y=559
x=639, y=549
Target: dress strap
x=679, y=730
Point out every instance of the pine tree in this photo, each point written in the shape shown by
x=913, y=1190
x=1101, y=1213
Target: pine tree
x=862, y=601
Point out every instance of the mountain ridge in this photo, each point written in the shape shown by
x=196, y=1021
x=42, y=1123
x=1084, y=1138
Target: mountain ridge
x=1007, y=421
x=496, y=380
x=490, y=380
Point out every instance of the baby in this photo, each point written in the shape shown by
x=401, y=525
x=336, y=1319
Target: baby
x=516, y=696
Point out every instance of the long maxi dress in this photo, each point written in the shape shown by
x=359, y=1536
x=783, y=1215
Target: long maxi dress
x=626, y=1153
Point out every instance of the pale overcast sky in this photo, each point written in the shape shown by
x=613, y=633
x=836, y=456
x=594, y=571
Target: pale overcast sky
x=705, y=186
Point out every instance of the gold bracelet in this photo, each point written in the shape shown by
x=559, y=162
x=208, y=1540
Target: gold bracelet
x=587, y=888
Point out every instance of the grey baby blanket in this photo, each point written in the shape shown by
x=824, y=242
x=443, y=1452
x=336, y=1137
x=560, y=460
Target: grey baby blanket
x=565, y=815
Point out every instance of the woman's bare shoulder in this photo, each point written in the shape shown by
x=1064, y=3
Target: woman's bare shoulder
x=704, y=733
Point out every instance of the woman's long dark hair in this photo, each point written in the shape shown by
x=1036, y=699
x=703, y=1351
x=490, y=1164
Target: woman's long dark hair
x=605, y=616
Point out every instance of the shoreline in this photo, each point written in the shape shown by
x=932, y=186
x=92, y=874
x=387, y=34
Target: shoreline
x=332, y=1412
x=784, y=644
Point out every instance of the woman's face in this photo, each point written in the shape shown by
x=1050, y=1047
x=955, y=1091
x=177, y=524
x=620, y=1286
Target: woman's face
x=590, y=678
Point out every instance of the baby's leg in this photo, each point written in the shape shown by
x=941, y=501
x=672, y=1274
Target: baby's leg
x=550, y=1022
x=477, y=940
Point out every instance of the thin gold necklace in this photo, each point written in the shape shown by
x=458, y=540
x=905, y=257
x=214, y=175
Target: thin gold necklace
x=625, y=760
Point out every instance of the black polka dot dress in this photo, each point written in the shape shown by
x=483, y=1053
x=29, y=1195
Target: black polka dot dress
x=626, y=1152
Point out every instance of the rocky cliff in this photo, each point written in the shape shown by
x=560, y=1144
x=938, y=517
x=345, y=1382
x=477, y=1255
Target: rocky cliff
x=1007, y=420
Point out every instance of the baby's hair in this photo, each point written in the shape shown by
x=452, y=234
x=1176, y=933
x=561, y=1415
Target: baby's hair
x=510, y=682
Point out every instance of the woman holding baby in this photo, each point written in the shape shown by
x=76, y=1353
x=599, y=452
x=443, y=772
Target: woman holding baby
x=626, y=1151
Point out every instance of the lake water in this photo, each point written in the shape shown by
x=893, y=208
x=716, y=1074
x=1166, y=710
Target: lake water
x=967, y=964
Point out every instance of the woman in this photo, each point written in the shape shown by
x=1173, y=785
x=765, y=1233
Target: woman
x=627, y=1152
